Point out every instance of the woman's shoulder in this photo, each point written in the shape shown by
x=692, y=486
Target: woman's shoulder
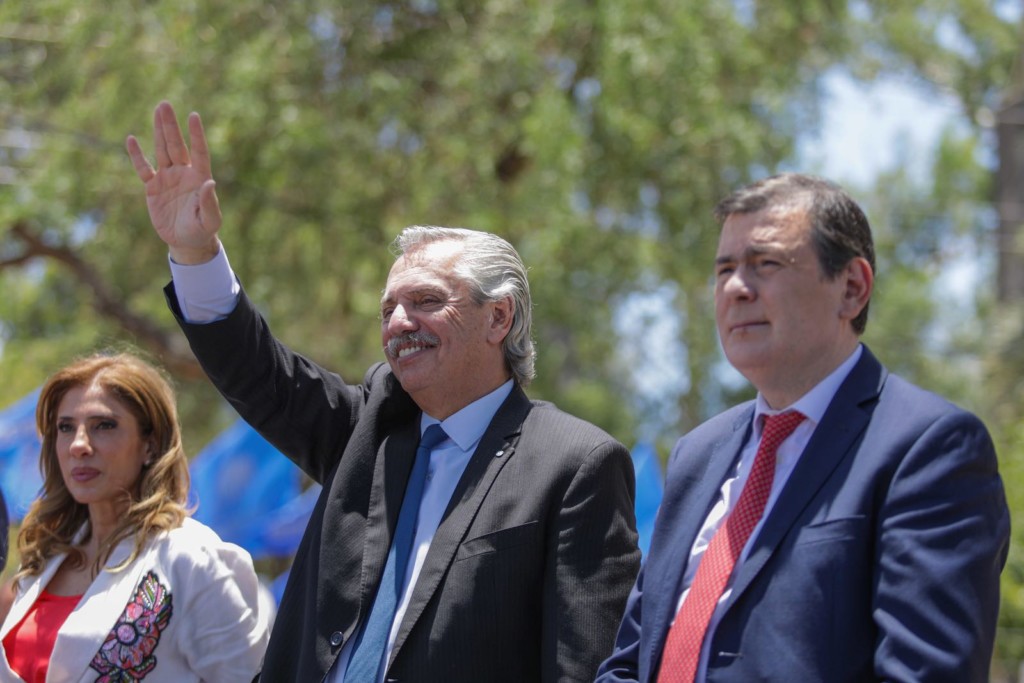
x=190, y=533
x=198, y=542
x=194, y=530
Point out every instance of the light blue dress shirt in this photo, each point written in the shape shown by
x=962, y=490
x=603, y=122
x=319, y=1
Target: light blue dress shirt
x=209, y=292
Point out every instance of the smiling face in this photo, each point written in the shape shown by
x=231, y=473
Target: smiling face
x=100, y=449
x=443, y=347
x=782, y=323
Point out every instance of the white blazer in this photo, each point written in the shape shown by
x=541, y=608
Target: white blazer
x=186, y=610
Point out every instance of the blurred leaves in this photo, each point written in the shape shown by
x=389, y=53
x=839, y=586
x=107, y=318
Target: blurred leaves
x=595, y=136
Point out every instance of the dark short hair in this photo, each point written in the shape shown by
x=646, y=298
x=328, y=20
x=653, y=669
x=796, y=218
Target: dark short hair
x=839, y=229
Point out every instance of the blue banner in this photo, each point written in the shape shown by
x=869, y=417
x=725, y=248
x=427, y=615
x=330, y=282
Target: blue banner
x=649, y=489
x=239, y=481
x=20, y=479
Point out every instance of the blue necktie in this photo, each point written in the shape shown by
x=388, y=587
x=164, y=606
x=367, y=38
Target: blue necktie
x=368, y=652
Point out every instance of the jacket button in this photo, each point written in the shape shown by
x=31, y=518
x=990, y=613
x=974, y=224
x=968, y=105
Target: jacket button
x=336, y=638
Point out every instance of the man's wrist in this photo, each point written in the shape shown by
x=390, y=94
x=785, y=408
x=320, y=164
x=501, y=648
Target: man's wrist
x=194, y=256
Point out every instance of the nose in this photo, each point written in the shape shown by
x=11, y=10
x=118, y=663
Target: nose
x=400, y=321
x=80, y=445
x=738, y=284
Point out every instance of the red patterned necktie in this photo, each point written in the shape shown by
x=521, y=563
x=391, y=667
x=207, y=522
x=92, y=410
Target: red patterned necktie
x=683, y=645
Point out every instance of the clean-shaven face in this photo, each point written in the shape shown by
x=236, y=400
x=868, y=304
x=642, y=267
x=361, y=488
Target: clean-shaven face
x=779, y=318
x=100, y=448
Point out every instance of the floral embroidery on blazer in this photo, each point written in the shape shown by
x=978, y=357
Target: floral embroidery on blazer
x=126, y=655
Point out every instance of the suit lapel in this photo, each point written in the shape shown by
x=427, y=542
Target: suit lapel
x=699, y=482
x=391, y=474
x=32, y=587
x=846, y=418
x=96, y=614
x=102, y=604
x=496, y=448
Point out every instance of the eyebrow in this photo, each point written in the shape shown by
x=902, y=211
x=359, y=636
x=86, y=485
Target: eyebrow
x=94, y=416
x=419, y=291
x=748, y=252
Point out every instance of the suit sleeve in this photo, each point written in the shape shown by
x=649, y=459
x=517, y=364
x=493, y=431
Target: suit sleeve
x=943, y=536
x=624, y=663
x=3, y=533
x=593, y=562
x=305, y=411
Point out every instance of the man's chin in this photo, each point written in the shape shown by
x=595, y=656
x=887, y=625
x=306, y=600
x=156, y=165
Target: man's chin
x=411, y=382
x=743, y=357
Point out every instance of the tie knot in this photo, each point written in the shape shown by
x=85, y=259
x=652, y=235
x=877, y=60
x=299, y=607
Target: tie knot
x=778, y=427
x=434, y=435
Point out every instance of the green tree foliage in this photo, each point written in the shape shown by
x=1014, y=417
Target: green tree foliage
x=596, y=136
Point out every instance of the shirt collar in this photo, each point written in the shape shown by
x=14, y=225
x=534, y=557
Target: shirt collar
x=815, y=402
x=467, y=426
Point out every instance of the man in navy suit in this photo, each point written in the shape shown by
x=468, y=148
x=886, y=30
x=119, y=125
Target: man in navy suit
x=883, y=527
x=3, y=532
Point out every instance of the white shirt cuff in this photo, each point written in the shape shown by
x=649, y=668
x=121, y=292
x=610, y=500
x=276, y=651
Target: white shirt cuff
x=206, y=292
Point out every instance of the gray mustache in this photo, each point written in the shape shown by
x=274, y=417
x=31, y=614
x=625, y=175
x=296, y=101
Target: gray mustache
x=424, y=338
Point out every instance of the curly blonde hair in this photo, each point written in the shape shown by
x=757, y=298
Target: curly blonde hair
x=158, y=502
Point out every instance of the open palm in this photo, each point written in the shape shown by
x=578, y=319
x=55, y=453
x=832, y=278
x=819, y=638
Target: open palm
x=180, y=192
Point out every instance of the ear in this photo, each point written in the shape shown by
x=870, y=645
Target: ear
x=859, y=282
x=500, y=320
x=150, y=452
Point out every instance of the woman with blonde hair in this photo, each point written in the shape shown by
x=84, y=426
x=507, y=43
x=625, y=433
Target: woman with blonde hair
x=117, y=582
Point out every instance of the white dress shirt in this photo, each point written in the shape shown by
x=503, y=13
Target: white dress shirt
x=813, y=405
x=209, y=291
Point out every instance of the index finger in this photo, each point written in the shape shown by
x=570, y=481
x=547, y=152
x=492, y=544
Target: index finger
x=143, y=168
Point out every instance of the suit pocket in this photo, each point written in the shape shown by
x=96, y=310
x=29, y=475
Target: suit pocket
x=843, y=529
x=499, y=540
x=813, y=599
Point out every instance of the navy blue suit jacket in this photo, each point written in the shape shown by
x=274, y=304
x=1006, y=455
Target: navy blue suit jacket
x=3, y=532
x=879, y=561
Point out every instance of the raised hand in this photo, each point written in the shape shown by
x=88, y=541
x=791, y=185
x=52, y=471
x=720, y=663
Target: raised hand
x=180, y=191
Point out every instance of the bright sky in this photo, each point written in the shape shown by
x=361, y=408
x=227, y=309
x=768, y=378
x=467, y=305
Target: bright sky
x=865, y=126
x=866, y=129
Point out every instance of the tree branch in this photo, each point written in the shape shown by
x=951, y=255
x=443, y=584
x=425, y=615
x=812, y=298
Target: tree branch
x=170, y=348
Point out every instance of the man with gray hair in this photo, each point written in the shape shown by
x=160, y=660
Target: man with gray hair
x=502, y=547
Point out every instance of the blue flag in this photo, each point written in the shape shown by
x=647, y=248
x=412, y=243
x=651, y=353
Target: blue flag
x=284, y=527
x=239, y=480
x=649, y=489
x=20, y=479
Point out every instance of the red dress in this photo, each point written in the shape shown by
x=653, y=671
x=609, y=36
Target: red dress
x=30, y=643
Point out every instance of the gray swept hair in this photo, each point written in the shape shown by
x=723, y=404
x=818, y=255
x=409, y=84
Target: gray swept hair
x=493, y=270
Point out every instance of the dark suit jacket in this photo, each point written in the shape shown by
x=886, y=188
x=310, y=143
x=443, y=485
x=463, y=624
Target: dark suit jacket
x=530, y=568
x=3, y=532
x=879, y=561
